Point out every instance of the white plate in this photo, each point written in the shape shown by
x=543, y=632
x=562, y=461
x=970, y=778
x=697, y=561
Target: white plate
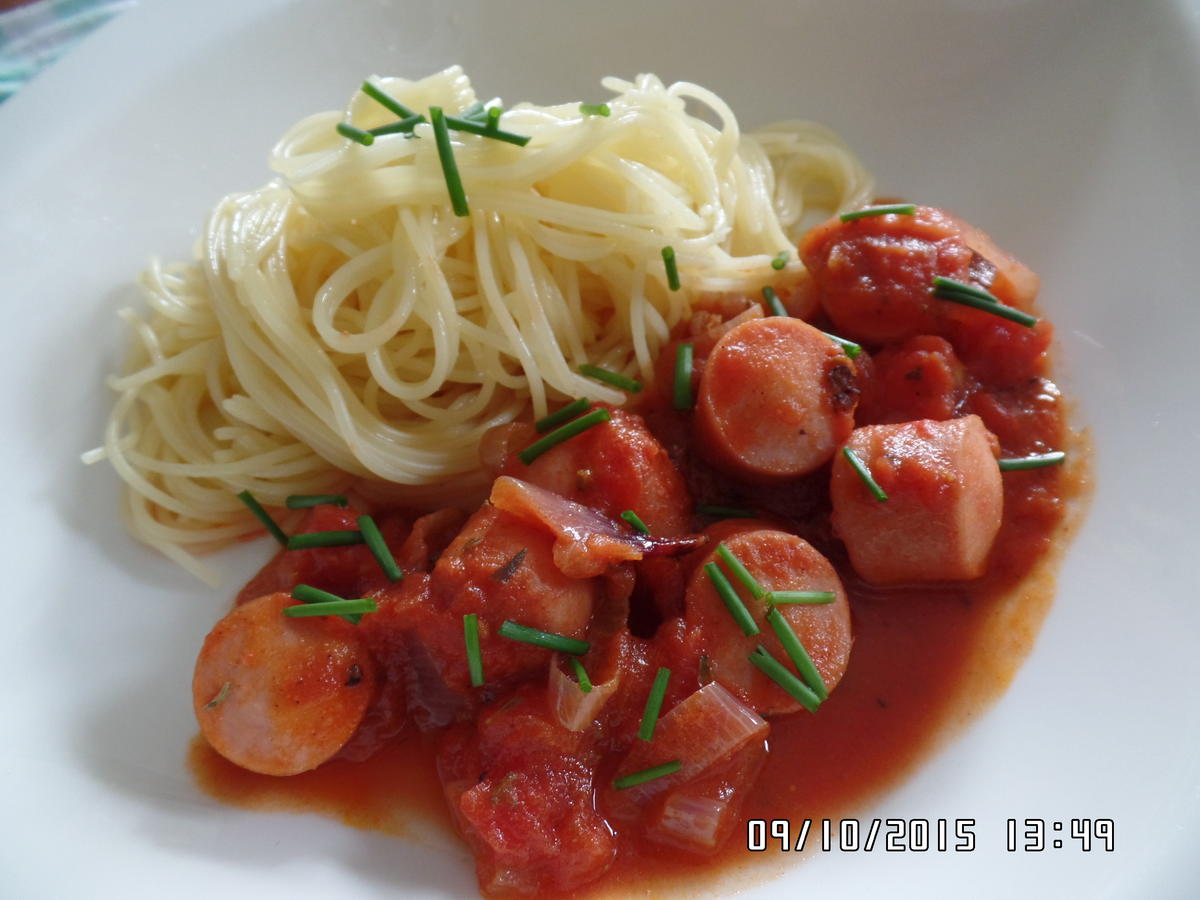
x=1068, y=129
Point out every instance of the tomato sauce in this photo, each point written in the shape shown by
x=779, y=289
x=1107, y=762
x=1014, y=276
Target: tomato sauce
x=395, y=791
x=926, y=658
x=925, y=662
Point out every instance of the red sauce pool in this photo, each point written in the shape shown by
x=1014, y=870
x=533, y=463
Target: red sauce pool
x=926, y=660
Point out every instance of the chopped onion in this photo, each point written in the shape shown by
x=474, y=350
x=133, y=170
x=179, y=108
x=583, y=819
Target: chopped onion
x=575, y=709
x=703, y=731
x=699, y=816
x=587, y=543
x=754, y=311
x=691, y=822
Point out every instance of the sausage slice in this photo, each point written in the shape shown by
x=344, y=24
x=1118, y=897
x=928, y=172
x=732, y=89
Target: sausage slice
x=776, y=399
x=280, y=696
x=944, y=501
x=779, y=561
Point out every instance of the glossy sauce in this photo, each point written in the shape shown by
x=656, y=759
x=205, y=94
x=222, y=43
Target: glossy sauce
x=363, y=794
x=926, y=660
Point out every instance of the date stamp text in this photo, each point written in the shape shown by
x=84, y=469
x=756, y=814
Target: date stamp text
x=1028, y=835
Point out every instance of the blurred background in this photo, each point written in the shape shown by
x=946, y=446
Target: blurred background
x=34, y=34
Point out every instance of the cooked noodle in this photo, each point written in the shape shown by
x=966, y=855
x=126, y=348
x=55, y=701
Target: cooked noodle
x=342, y=329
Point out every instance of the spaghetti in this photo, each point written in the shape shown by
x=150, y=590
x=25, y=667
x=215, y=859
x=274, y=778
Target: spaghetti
x=341, y=329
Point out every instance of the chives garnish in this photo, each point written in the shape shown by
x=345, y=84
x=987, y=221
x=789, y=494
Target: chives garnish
x=865, y=474
x=263, y=516
x=306, y=593
x=345, y=129
x=682, y=395
x=516, y=632
x=454, y=185
x=594, y=109
x=636, y=778
x=635, y=521
x=797, y=653
x=568, y=412
x=724, y=512
x=484, y=129
x=324, y=539
x=668, y=255
x=307, y=501
x=780, y=260
x=774, y=304
x=404, y=126
x=810, y=597
x=887, y=209
x=729, y=597
x=654, y=704
x=332, y=608
x=1036, y=461
x=978, y=298
x=390, y=102
x=777, y=672
x=474, y=111
x=563, y=433
x=474, y=658
x=852, y=349
x=379, y=548
x=493, y=118
x=740, y=572
x=616, y=379
x=581, y=675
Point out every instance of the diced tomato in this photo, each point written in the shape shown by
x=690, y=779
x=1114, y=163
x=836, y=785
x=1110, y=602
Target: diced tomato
x=921, y=378
x=346, y=571
x=612, y=467
x=1025, y=418
x=520, y=785
x=1001, y=353
x=875, y=274
x=501, y=568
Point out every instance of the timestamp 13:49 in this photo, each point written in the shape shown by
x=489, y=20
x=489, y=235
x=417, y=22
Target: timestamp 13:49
x=1036, y=835
x=927, y=835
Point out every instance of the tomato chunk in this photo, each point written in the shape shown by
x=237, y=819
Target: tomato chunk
x=346, y=571
x=874, y=274
x=501, y=567
x=922, y=378
x=612, y=467
x=520, y=786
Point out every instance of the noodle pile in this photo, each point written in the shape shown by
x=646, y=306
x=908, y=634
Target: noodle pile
x=342, y=329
